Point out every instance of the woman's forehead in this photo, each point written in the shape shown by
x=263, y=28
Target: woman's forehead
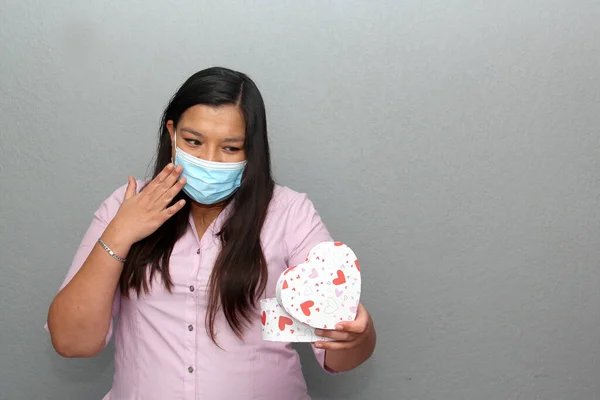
x=226, y=120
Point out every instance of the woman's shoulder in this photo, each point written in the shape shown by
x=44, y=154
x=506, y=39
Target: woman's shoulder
x=294, y=218
x=118, y=194
x=287, y=202
x=285, y=198
x=111, y=204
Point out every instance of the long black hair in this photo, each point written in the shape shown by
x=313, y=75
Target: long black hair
x=239, y=276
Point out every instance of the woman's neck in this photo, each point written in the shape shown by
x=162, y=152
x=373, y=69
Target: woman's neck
x=204, y=215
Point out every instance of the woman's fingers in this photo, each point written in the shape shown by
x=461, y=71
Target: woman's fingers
x=162, y=184
x=335, y=335
x=158, y=181
x=170, y=180
x=169, y=212
x=143, y=213
x=170, y=194
x=131, y=188
x=336, y=345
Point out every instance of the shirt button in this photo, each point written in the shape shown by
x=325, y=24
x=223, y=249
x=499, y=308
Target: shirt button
x=198, y=251
x=191, y=288
x=190, y=370
x=190, y=328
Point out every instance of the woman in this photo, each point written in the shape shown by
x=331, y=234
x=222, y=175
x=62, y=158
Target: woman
x=184, y=259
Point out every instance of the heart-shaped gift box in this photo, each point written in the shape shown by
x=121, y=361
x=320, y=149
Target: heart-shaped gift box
x=323, y=290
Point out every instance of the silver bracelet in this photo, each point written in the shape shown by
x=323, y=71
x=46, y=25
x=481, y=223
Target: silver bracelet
x=109, y=251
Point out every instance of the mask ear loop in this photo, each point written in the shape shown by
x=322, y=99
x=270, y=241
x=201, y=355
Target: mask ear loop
x=174, y=144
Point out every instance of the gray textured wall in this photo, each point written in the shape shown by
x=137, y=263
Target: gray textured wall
x=454, y=144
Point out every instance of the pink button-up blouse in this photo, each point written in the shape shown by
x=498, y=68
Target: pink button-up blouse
x=162, y=350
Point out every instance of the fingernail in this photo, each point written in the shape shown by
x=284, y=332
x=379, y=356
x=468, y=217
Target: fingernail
x=319, y=344
x=339, y=327
x=169, y=166
x=319, y=332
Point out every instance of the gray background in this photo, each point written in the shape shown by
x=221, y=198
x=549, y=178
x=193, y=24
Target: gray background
x=453, y=144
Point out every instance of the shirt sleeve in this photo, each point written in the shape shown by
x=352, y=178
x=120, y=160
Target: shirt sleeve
x=102, y=217
x=305, y=231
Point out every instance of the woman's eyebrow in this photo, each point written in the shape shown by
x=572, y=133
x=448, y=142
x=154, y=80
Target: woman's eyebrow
x=234, y=139
x=193, y=132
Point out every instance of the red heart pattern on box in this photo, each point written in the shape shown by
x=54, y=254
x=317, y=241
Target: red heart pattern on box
x=325, y=289
x=278, y=326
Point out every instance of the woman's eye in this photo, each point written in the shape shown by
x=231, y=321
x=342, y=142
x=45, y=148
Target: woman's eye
x=232, y=149
x=193, y=142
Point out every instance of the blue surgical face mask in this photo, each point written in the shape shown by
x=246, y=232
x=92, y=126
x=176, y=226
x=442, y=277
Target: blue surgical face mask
x=208, y=182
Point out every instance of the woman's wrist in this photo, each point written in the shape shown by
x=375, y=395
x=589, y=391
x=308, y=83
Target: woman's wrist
x=117, y=239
